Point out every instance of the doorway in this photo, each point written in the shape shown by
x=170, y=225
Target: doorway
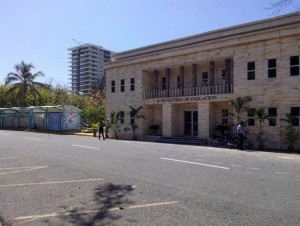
x=191, y=123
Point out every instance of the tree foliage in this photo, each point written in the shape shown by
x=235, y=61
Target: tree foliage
x=22, y=82
x=238, y=106
x=278, y=5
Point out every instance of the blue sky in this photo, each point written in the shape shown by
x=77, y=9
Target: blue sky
x=41, y=31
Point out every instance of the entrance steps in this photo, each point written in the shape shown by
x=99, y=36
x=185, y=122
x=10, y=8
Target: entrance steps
x=182, y=140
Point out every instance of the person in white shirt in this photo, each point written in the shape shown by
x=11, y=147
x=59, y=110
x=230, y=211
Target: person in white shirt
x=241, y=134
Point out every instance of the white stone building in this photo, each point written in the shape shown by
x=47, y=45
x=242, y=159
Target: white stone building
x=185, y=85
x=86, y=67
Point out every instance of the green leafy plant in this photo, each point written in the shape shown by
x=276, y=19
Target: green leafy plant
x=291, y=135
x=114, y=119
x=238, y=106
x=134, y=115
x=23, y=82
x=261, y=116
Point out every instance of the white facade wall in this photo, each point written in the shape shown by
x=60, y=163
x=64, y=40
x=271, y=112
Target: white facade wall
x=275, y=38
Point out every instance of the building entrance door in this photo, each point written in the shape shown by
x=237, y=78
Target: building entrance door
x=191, y=123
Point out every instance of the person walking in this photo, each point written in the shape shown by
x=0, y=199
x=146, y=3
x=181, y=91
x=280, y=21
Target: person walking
x=241, y=134
x=101, y=130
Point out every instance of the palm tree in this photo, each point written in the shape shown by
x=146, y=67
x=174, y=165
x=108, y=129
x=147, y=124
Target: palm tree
x=134, y=114
x=238, y=105
x=114, y=119
x=23, y=81
x=291, y=135
x=261, y=116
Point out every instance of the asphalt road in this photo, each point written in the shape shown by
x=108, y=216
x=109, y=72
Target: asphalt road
x=48, y=179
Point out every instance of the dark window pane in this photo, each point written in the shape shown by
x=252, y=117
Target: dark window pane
x=122, y=117
x=272, y=63
x=294, y=60
x=251, y=122
x=113, y=89
x=122, y=82
x=271, y=73
x=296, y=122
x=224, y=112
x=272, y=112
x=295, y=111
x=251, y=66
x=294, y=70
x=204, y=75
x=272, y=122
x=113, y=83
x=251, y=112
x=251, y=75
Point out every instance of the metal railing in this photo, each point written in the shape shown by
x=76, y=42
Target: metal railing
x=189, y=91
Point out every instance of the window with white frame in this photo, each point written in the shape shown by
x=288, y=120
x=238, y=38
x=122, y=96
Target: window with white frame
x=122, y=87
x=121, y=116
x=251, y=115
x=294, y=65
x=178, y=82
x=164, y=83
x=272, y=68
x=272, y=113
x=295, y=111
x=204, y=78
x=225, y=116
x=132, y=84
x=113, y=86
x=251, y=70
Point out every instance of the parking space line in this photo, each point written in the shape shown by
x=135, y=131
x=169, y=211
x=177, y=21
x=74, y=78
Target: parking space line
x=82, y=146
x=196, y=163
x=51, y=182
x=31, y=138
x=21, y=169
x=59, y=214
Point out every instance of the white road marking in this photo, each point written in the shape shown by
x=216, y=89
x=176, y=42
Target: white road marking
x=254, y=168
x=196, y=163
x=282, y=173
x=31, y=138
x=4, y=134
x=58, y=214
x=50, y=182
x=21, y=169
x=82, y=146
x=236, y=165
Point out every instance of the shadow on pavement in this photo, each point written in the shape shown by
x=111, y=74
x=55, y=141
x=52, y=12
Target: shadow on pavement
x=107, y=197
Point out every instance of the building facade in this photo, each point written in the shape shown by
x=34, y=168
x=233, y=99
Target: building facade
x=185, y=85
x=86, y=67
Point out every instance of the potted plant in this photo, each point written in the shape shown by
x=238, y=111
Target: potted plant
x=291, y=135
x=134, y=115
x=154, y=129
x=261, y=116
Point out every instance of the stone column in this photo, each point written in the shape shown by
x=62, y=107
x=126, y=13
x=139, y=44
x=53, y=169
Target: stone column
x=167, y=119
x=203, y=120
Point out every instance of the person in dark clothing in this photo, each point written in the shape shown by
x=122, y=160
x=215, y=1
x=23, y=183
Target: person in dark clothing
x=241, y=134
x=101, y=130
